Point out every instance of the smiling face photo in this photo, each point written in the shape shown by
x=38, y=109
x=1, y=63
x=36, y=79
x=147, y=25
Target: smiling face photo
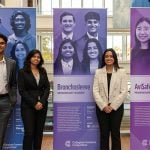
x=92, y=26
x=67, y=23
x=143, y=31
x=20, y=52
x=67, y=51
x=19, y=22
x=92, y=51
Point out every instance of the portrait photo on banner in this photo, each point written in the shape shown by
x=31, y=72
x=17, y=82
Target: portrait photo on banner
x=19, y=25
x=79, y=40
x=140, y=41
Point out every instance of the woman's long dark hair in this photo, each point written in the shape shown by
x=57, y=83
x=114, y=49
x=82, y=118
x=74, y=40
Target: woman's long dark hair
x=116, y=65
x=86, y=59
x=27, y=63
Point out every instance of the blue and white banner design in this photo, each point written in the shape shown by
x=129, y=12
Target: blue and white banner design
x=12, y=22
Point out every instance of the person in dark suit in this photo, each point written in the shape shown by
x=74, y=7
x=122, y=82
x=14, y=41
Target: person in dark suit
x=8, y=88
x=67, y=62
x=67, y=22
x=33, y=85
x=92, y=20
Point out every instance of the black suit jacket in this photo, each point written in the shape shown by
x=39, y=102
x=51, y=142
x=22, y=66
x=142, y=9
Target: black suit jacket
x=11, y=80
x=30, y=92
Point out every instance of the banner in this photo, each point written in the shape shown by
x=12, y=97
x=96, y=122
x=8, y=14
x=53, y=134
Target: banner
x=79, y=37
x=19, y=25
x=140, y=79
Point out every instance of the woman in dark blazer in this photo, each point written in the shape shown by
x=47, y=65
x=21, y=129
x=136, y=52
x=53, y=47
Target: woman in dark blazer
x=34, y=89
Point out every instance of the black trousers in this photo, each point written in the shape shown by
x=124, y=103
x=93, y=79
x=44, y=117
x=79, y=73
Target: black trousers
x=33, y=121
x=110, y=124
x=5, y=111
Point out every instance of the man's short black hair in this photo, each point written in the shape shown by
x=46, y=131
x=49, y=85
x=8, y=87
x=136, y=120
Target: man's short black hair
x=91, y=15
x=3, y=37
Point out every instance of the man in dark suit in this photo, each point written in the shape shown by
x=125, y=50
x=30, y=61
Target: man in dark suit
x=67, y=21
x=92, y=20
x=7, y=88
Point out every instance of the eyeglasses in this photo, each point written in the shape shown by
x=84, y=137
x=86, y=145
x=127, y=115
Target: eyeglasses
x=2, y=43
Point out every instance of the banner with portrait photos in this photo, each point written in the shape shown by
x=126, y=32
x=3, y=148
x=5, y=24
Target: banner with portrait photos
x=19, y=25
x=140, y=78
x=79, y=37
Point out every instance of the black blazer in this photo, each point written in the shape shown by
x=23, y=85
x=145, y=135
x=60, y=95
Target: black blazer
x=30, y=91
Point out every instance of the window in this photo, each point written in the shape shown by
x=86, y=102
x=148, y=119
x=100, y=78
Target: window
x=109, y=6
x=55, y=4
x=45, y=7
x=76, y=3
x=117, y=45
x=87, y=3
x=98, y=4
x=66, y=3
x=45, y=44
x=115, y=42
x=120, y=42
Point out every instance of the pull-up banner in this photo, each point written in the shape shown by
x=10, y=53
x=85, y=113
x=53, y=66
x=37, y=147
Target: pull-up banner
x=140, y=78
x=19, y=25
x=79, y=38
